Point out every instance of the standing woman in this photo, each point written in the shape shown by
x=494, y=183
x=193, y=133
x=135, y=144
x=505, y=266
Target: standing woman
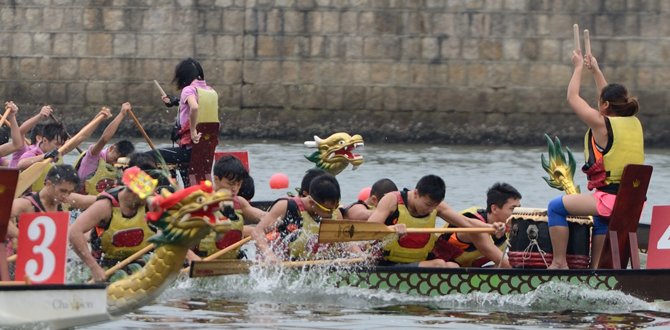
x=198, y=103
x=613, y=140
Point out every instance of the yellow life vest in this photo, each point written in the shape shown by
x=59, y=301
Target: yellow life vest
x=102, y=179
x=123, y=236
x=210, y=245
x=625, y=146
x=470, y=252
x=412, y=247
x=39, y=183
x=208, y=106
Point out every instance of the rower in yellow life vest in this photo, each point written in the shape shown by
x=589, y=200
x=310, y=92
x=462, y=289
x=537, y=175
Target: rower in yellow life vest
x=289, y=230
x=229, y=173
x=477, y=249
x=96, y=165
x=613, y=140
x=419, y=208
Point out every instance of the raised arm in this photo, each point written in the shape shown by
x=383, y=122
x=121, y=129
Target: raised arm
x=109, y=132
x=17, y=139
x=592, y=64
x=28, y=124
x=592, y=117
x=85, y=134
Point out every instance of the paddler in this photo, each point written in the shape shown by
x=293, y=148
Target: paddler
x=118, y=215
x=477, y=249
x=362, y=210
x=229, y=173
x=31, y=125
x=613, y=140
x=289, y=230
x=57, y=196
x=7, y=148
x=97, y=163
x=419, y=208
x=54, y=136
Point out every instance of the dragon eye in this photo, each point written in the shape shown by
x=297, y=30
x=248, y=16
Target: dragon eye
x=200, y=200
x=341, y=142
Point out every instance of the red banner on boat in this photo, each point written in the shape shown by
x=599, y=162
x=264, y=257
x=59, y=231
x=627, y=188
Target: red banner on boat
x=42, y=247
x=242, y=155
x=659, y=238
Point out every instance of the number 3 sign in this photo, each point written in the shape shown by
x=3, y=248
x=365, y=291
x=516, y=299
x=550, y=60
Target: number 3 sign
x=42, y=247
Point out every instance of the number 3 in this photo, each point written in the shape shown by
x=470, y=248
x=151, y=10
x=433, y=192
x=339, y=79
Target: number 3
x=48, y=258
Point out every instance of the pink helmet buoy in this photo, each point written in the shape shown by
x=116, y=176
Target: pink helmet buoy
x=278, y=181
x=364, y=193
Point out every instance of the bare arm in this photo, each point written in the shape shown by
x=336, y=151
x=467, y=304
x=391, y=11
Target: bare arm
x=109, y=132
x=387, y=205
x=193, y=117
x=270, y=221
x=592, y=64
x=85, y=134
x=249, y=212
x=81, y=202
x=358, y=212
x=486, y=247
x=28, y=124
x=17, y=139
x=592, y=117
x=99, y=213
x=19, y=206
x=26, y=162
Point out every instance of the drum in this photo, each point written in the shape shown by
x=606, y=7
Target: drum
x=530, y=244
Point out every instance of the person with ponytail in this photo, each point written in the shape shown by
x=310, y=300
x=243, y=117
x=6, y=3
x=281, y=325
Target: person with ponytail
x=613, y=140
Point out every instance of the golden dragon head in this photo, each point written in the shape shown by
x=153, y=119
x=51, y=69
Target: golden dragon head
x=561, y=174
x=188, y=215
x=335, y=153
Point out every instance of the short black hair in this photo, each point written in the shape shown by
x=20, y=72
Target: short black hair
x=325, y=188
x=308, y=177
x=247, y=190
x=186, y=71
x=382, y=187
x=231, y=168
x=124, y=148
x=498, y=195
x=4, y=134
x=145, y=161
x=35, y=131
x=63, y=173
x=52, y=131
x=433, y=186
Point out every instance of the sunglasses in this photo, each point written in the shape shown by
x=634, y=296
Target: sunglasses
x=325, y=209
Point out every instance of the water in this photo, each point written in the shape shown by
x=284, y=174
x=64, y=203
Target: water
x=281, y=300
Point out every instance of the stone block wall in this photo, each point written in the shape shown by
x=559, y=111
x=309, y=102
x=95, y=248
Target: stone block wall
x=439, y=71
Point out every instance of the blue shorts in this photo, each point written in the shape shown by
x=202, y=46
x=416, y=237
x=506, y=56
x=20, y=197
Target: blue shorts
x=599, y=227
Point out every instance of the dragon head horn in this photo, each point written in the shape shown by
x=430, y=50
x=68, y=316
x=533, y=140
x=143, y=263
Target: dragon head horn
x=313, y=144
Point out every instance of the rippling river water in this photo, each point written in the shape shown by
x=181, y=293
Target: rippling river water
x=305, y=300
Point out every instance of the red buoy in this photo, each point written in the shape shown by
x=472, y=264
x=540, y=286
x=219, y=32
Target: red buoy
x=364, y=193
x=278, y=181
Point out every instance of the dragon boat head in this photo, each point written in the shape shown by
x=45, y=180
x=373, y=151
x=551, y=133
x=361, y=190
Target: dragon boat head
x=335, y=153
x=188, y=215
x=561, y=171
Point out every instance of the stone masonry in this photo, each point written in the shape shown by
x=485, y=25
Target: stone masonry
x=437, y=71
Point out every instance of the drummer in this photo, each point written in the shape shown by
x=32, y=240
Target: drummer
x=477, y=249
x=419, y=208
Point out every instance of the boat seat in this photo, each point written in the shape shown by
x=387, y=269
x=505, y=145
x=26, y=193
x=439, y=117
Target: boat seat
x=202, y=154
x=621, y=239
x=8, y=180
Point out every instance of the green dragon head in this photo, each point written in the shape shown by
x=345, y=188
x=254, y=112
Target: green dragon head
x=188, y=215
x=560, y=174
x=335, y=153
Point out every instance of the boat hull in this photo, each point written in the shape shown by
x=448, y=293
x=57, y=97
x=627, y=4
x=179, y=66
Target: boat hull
x=644, y=284
x=54, y=306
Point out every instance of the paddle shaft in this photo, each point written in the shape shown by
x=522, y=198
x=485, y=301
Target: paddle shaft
x=575, y=30
x=159, y=88
x=222, y=252
x=128, y=260
x=146, y=137
x=51, y=115
x=234, y=267
x=587, y=42
x=6, y=122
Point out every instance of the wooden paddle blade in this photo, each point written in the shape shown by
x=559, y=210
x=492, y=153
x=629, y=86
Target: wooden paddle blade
x=29, y=176
x=332, y=231
x=219, y=267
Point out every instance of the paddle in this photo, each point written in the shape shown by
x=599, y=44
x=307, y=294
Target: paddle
x=51, y=115
x=146, y=137
x=32, y=173
x=232, y=267
x=222, y=252
x=4, y=120
x=587, y=42
x=347, y=231
x=126, y=261
x=575, y=30
x=159, y=88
